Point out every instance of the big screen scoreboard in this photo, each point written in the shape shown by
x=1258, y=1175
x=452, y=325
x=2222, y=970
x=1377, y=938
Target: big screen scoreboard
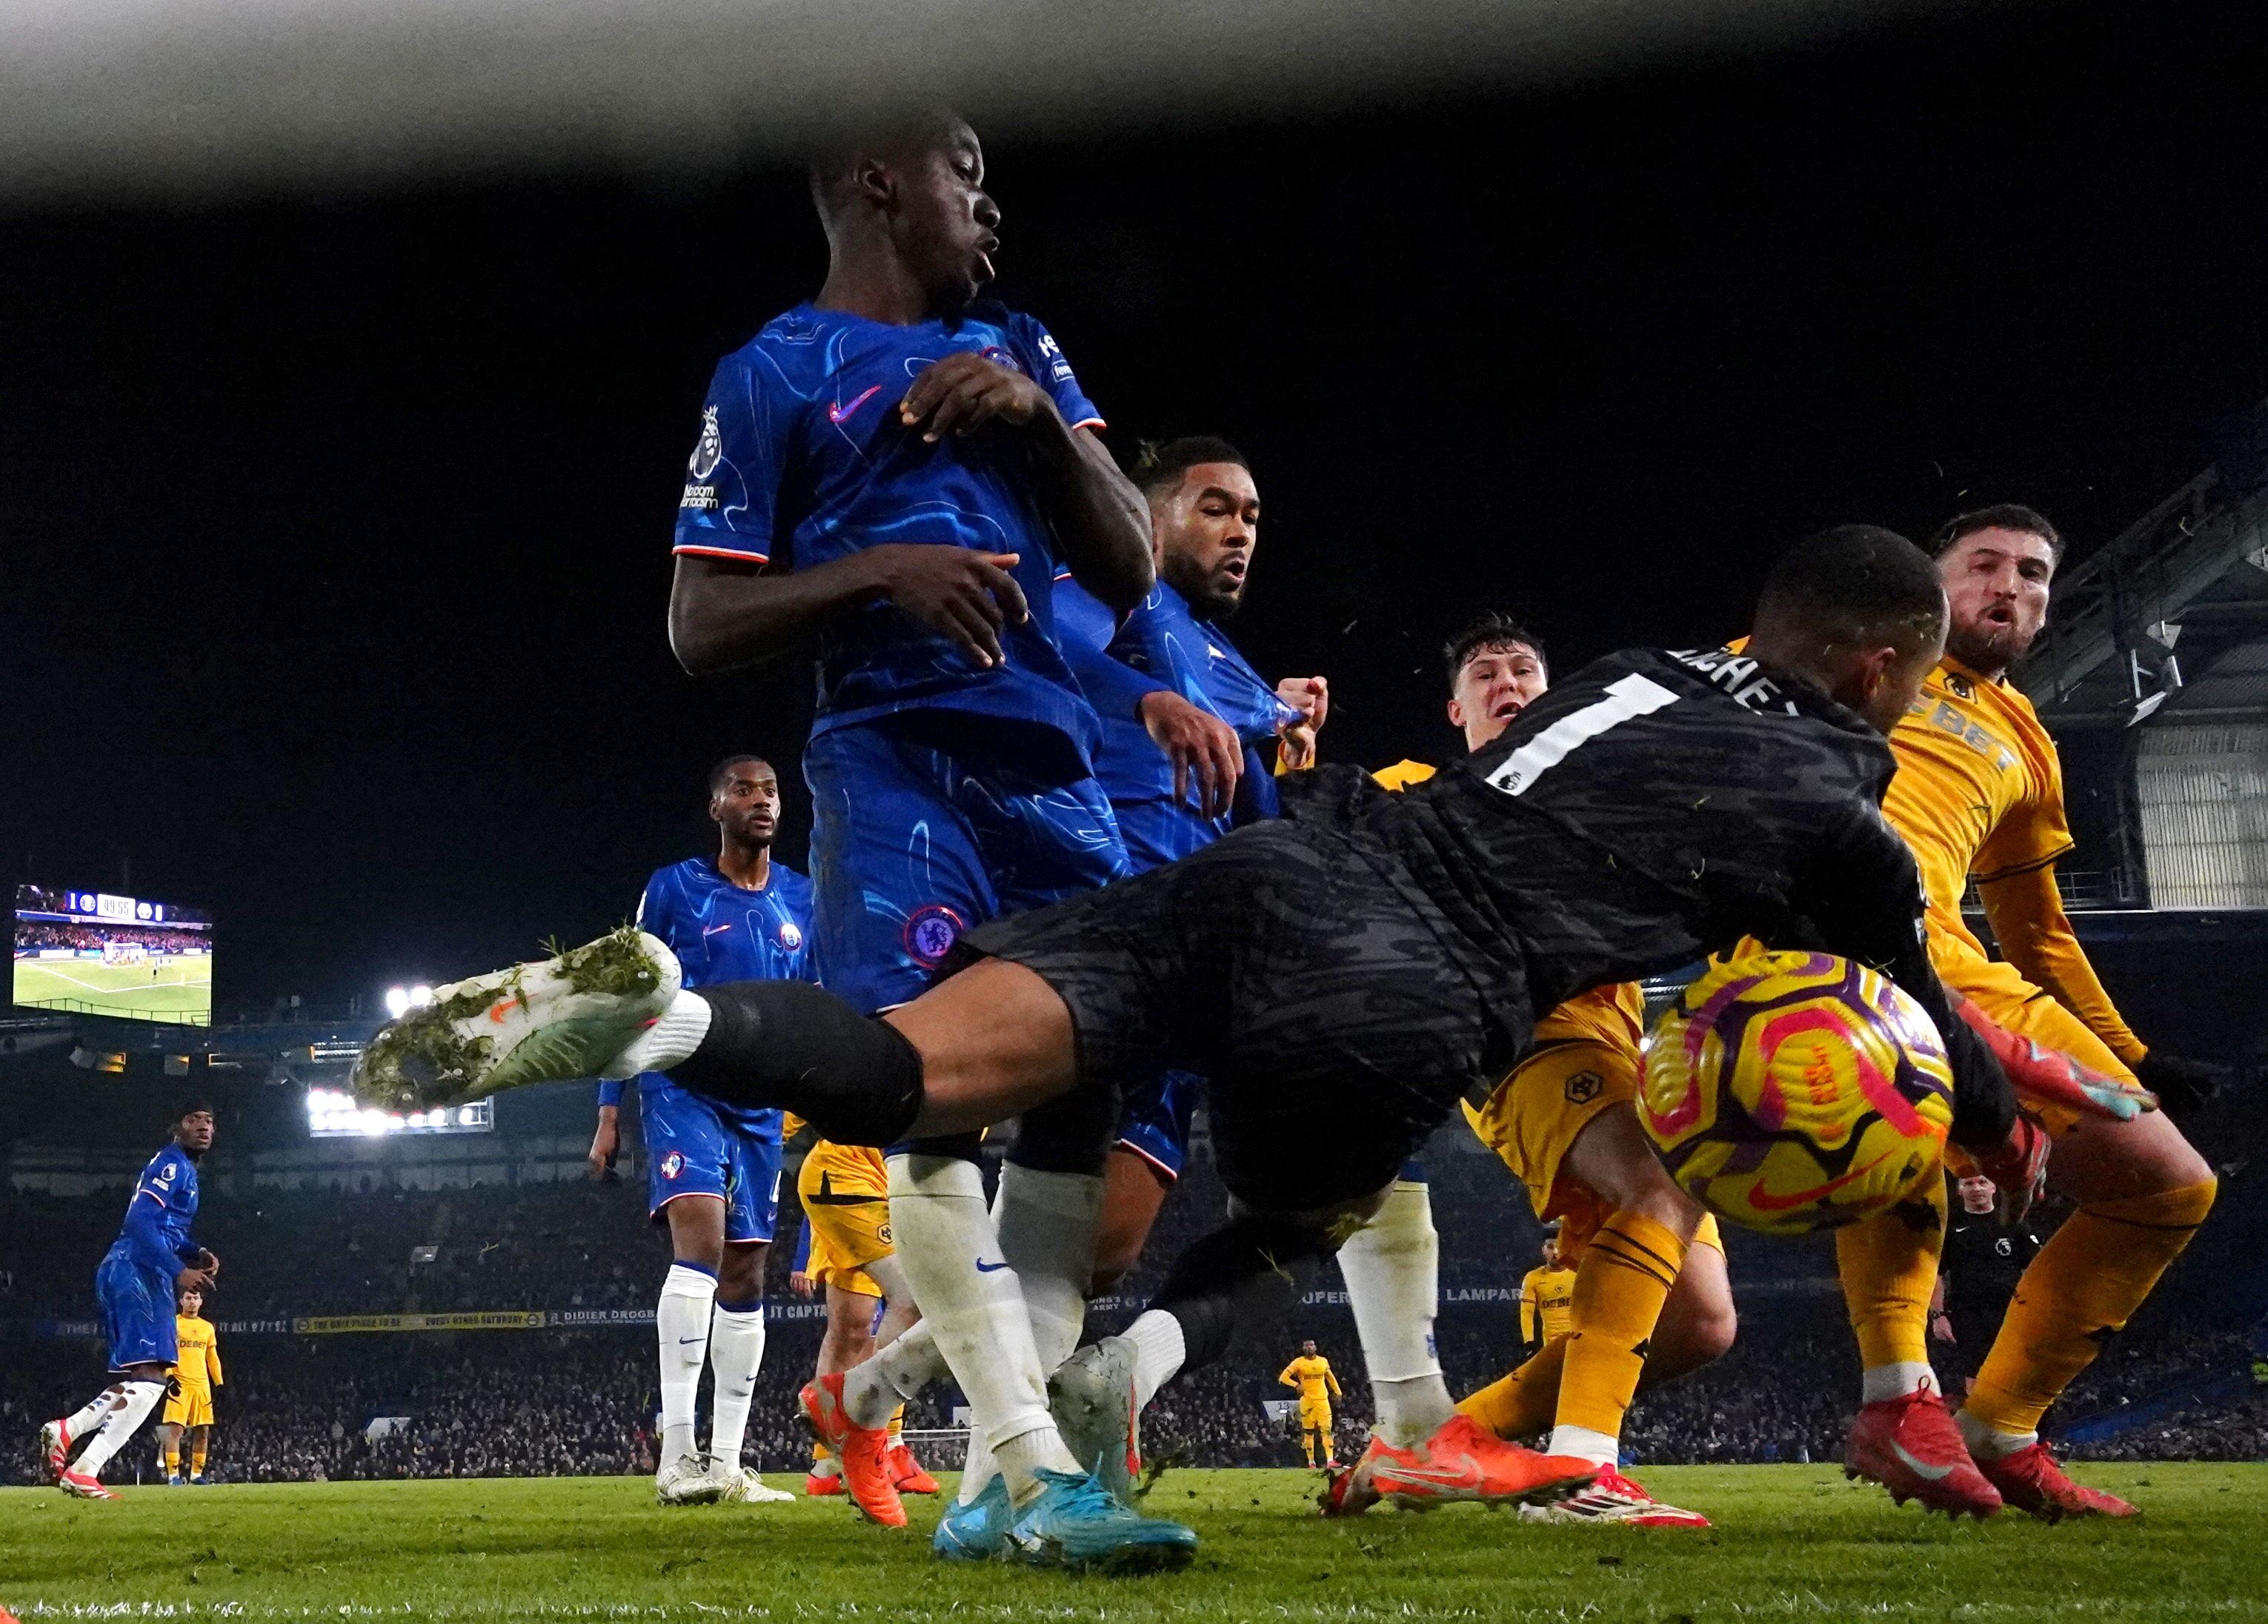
x=94, y=952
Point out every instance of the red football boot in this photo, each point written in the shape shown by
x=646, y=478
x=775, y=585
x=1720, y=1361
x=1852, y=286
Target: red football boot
x=55, y=1443
x=1461, y=1461
x=1911, y=1447
x=2033, y=1480
x=1614, y=1498
x=862, y=1452
x=908, y=1474
x=817, y=1485
x=79, y=1484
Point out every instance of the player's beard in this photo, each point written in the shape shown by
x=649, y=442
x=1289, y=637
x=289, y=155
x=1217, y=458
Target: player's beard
x=1984, y=648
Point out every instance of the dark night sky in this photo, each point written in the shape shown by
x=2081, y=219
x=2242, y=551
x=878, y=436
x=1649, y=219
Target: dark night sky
x=336, y=535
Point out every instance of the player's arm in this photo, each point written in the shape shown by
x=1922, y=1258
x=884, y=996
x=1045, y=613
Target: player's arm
x=1331, y=1379
x=1864, y=895
x=726, y=612
x=1099, y=519
x=1285, y=1378
x=1204, y=749
x=1531, y=1327
x=212, y=1360
x=2033, y=929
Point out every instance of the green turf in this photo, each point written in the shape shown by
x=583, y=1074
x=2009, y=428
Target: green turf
x=181, y=987
x=1791, y=1542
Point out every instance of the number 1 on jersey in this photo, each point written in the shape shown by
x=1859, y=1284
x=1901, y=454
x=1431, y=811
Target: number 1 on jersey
x=1625, y=697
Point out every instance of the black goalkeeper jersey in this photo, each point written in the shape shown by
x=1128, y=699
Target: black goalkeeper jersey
x=1660, y=805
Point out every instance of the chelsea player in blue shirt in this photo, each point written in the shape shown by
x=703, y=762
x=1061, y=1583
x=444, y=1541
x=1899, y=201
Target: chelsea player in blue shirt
x=152, y=1259
x=898, y=469
x=712, y=1169
x=1188, y=727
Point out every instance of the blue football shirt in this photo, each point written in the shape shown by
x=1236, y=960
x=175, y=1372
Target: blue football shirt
x=170, y=1180
x=1163, y=644
x=801, y=459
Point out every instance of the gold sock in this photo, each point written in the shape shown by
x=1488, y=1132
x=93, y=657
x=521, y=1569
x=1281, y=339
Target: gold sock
x=1520, y=1404
x=1889, y=1267
x=1330, y=1447
x=2086, y=1282
x=898, y=1426
x=197, y=1460
x=172, y=1461
x=821, y=1457
x=1620, y=1286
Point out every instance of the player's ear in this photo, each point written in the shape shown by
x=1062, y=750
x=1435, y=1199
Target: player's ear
x=1456, y=714
x=875, y=183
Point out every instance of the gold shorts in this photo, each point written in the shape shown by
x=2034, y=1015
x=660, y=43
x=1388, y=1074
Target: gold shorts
x=1997, y=987
x=1532, y=1121
x=850, y=1229
x=1317, y=1419
x=193, y=1409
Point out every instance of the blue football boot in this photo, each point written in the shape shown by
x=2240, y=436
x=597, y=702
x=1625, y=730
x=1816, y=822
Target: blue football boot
x=1077, y=1523
x=978, y=1531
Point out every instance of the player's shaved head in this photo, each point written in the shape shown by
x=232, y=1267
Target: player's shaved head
x=1205, y=519
x=910, y=230
x=1158, y=471
x=1858, y=610
x=892, y=137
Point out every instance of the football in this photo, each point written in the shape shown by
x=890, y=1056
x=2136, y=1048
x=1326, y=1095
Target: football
x=1791, y=1091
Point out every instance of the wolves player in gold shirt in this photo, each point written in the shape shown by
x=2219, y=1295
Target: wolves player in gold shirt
x=1978, y=795
x=850, y=1256
x=1651, y=1297
x=1547, y=1298
x=1310, y=1374
x=189, y=1408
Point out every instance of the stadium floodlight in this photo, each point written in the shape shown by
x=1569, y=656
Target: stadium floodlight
x=332, y=1113
x=420, y=996
x=397, y=1002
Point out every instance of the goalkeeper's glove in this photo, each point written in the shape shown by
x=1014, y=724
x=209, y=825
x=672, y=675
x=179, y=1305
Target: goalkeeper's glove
x=2018, y=1168
x=2180, y=1083
x=2046, y=1076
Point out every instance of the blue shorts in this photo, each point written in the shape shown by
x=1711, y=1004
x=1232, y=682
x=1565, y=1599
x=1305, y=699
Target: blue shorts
x=1153, y=1121
x=925, y=824
x=699, y=1146
x=138, y=1310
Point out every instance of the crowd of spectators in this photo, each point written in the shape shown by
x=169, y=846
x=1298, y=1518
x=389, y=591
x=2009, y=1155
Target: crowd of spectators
x=43, y=933
x=575, y=1401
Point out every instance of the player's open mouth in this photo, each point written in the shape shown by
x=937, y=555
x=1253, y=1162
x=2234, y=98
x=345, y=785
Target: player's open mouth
x=985, y=250
x=1508, y=709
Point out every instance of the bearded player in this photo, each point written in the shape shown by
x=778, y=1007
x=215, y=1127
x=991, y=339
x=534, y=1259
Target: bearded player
x=712, y=1166
x=896, y=469
x=1340, y=978
x=1978, y=795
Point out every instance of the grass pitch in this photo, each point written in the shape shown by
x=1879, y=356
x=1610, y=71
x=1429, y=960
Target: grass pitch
x=1791, y=1542
x=180, y=989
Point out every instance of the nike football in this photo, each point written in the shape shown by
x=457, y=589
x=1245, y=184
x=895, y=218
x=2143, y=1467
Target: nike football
x=1790, y=1092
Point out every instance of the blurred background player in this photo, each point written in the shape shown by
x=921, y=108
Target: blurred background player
x=1654, y=1301
x=914, y=531
x=189, y=1400
x=846, y=1256
x=1984, y=1258
x=1547, y=1298
x=138, y=1283
x=712, y=1168
x=1310, y=1375
x=1978, y=795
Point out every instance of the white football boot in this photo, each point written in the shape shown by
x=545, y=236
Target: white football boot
x=551, y=1022
x=688, y=1480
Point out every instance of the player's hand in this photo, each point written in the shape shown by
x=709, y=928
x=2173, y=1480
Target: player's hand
x=1311, y=697
x=1204, y=749
x=606, y=1142
x=965, y=594
x=2046, y=1076
x=960, y=394
x=2180, y=1083
x=192, y=1280
x=800, y=1283
x=2018, y=1168
x=1940, y=1326
x=208, y=1260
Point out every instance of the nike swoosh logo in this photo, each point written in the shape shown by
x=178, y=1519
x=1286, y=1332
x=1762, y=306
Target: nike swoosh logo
x=713, y=930
x=1920, y=1469
x=1765, y=1200
x=837, y=414
x=982, y=1268
x=828, y=1199
x=683, y=1340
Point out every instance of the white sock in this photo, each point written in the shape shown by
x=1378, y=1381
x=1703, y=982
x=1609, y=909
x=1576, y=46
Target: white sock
x=689, y=1297
x=973, y=1305
x=1392, y=1267
x=895, y=1375
x=979, y=1467
x=90, y=1414
x=736, y=1353
x=1047, y=1222
x=1989, y=1442
x=1585, y=1444
x=1879, y=1383
x=826, y=1468
x=124, y=1421
x=668, y=1040
x=1159, y=1350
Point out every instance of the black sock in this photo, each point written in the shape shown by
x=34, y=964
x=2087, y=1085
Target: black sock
x=799, y=1047
x=1251, y=1273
